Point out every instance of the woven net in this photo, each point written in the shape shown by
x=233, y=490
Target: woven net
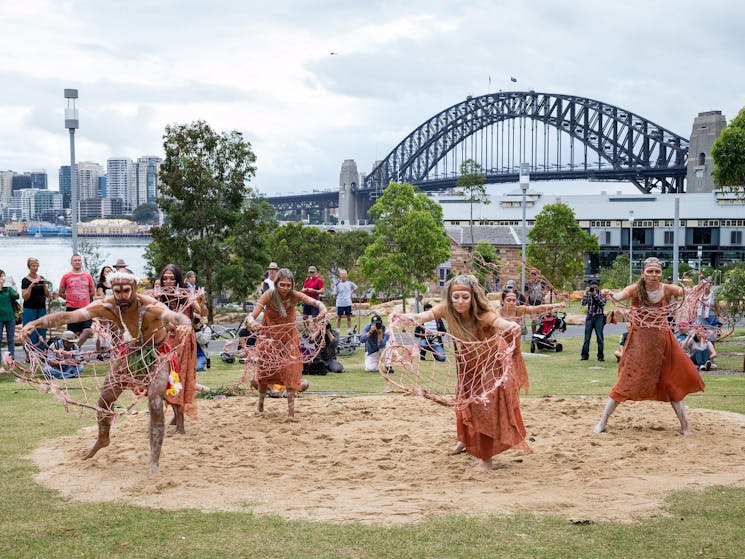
x=272, y=348
x=471, y=372
x=76, y=378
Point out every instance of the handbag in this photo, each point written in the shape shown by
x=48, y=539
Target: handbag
x=18, y=311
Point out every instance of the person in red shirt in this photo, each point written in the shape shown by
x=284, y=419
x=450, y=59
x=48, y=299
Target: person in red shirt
x=313, y=288
x=78, y=289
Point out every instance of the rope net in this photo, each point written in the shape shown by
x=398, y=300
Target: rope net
x=272, y=348
x=76, y=377
x=471, y=372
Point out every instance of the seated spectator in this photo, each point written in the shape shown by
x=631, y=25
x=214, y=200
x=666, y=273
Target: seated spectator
x=700, y=350
x=375, y=338
x=326, y=360
x=428, y=342
x=684, y=328
x=63, y=358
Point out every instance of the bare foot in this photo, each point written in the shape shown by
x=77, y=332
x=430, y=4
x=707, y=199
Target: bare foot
x=485, y=465
x=686, y=431
x=154, y=469
x=260, y=406
x=100, y=443
x=599, y=428
x=304, y=384
x=458, y=448
x=177, y=431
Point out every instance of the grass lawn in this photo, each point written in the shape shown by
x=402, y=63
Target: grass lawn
x=36, y=522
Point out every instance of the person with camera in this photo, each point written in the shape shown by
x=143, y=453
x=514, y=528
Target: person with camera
x=35, y=293
x=375, y=338
x=64, y=359
x=595, y=319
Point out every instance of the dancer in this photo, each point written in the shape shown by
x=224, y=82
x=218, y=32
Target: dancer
x=491, y=423
x=278, y=346
x=653, y=366
x=139, y=321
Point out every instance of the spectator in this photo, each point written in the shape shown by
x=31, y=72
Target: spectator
x=511, y=287
x=271, y=275
x=7, y=314
x=190, y=281
x=343, y=290
x=428, y=341
x=63, y=358
x=375, y=338
x=313, y=288
x=700, y=350
x=594, y=320
x=78, y=289
x=326, y=360
x=35, y=292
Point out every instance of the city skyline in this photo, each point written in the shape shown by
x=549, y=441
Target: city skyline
x=310, y=85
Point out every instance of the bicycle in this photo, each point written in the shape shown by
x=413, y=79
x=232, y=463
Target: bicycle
x=348, y=344
x=220, y=332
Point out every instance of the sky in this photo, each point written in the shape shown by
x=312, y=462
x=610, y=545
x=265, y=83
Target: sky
x=267, y=70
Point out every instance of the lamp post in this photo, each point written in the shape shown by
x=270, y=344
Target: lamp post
x=699, y=254
x=676, y=240
x=524, y=183
x=631, y=245
x=71, y=123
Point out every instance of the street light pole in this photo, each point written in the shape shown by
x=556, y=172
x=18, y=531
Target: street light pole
x=524, y=183
x=631, y=245
x=71, y=123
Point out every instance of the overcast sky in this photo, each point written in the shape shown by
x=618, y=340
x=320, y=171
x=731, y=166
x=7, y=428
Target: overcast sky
x=266, y=69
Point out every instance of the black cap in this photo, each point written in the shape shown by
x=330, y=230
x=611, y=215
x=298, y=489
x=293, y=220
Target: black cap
x=593, y=281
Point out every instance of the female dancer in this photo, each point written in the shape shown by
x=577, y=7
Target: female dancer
x=494, y=423
x=278, y=346
x=653, y=366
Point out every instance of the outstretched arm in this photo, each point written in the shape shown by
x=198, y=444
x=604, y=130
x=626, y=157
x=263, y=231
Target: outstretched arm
x=56, y=319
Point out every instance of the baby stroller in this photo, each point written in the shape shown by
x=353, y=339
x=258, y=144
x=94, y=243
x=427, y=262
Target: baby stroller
x=543, y=338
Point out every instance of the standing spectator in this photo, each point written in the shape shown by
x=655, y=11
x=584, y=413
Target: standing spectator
x=64, y=359
x=313, y=288
x=103, y=287
x=271, y=275
x=595, y=319
x=7, y=314
x=35, y=292
x=120, y=265
x=375, y=338
x=511, y=287
x=78, y=289
x=343, y=290
x=534, y=289
x=190, y=281
x=429, y=342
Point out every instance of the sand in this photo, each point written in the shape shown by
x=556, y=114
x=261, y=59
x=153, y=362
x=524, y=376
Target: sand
x=383, y=460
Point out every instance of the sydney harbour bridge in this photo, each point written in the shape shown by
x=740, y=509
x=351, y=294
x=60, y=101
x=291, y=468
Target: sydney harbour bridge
x=561, y=137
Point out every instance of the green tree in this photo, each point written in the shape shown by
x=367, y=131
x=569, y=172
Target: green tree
x=471, y=186
x=93, y=258
x=296, y=246
x=217, y=225
x=615, y=276
x=408, y=243
x=485, y=264
x=558, y=245
x=731, y=294
x=146, y=214
x=728, y=153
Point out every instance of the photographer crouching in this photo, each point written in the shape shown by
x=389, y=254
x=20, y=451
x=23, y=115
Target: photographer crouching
x=595, y=319
x=375, y=338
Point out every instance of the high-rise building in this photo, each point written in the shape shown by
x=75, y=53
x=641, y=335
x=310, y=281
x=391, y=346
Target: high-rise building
x=39, y=179
x=88, y=173
x=21, y=181
x=65, y=185
x=147, y=179
x=102, y=191
x=6, y=187
x=120, y=179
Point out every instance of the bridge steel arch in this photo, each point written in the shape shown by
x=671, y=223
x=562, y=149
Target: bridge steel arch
x=615, y=144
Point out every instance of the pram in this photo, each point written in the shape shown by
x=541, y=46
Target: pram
x=543, y=338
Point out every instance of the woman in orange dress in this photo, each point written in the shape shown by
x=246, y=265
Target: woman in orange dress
x=653, y=366
x=489, y=423
x=279, y=358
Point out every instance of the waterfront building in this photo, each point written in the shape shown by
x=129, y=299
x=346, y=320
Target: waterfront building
x=88, y=173
x=121, y=180
x=65, y=185
x=148, y=183
x=6, y=188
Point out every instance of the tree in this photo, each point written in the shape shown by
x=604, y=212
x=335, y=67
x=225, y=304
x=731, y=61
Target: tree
x=485, y=265
x=558, y=245
x=92, y=257
x=146, y=214
x=728, y=153
x=471, y=187
x=408, y=243
x=296, y=246
x=615, y=276
x=217, y=225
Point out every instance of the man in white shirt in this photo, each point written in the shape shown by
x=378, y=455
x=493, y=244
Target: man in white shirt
x=343, y=290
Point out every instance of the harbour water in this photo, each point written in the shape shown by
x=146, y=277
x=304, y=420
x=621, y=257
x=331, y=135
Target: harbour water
x=54, y=254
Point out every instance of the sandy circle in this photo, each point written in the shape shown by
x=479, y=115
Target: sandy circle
x=384, y=460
